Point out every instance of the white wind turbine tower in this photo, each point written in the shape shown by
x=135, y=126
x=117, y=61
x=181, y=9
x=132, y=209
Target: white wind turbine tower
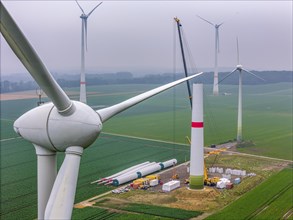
x=240, y=68
x=84, y=18
x=217, y=50
x=62, y=125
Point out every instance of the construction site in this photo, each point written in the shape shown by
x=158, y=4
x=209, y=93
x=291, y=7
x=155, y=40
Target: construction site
x=228, y=175
x=214, y=176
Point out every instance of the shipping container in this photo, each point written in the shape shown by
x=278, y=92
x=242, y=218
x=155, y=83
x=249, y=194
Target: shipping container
x=169, y=186
x=154, y=182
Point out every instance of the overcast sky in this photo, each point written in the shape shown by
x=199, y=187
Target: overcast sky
x=138, y=36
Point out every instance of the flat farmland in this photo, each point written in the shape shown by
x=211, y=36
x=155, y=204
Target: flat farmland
x=270, y=200
x=108, y=155
x=267, y=116
x=267, y=122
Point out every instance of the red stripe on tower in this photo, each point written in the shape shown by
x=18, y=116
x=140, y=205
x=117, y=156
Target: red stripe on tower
x=197, y=124
x=82, y=83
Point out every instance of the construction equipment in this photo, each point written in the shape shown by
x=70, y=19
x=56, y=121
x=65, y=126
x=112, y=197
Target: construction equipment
x=141, y=181
x=209, y=181
x=175, y=175
x=144, y=183
x=154, y=176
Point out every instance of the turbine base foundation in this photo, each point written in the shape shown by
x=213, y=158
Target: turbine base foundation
x=196, y=182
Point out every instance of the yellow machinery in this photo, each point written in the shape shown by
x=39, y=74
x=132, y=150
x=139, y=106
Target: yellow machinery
x=209, y=181
x=143, y=183
x=152, y=177
x=175, y=175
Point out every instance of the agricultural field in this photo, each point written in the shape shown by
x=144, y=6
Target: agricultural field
x=18, y=169
x=270, y=200
x=267, y=117
x=267, y=122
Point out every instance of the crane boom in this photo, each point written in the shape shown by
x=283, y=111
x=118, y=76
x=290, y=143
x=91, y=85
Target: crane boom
x=183, y=59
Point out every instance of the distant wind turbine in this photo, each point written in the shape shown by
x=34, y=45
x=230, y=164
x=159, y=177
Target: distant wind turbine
x=240, y=68
x=217, y=50
x=84, y=18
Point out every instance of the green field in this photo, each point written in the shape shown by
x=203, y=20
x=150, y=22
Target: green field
x=108, y=155
x=267, y=122
x=161, y=211
x=267, y=117
x=270, y=200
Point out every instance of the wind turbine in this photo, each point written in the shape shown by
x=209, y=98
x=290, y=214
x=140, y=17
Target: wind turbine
x=62, y=125
x=217, y=50
x=84, y=18
x=239, y=67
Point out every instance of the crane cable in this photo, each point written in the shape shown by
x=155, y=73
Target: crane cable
x=174, y=89
x=189, y=53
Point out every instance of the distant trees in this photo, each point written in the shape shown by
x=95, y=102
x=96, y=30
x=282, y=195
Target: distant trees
x=128, y=78
x=7, y=86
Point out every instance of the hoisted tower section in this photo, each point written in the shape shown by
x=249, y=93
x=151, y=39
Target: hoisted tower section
x=196, y=180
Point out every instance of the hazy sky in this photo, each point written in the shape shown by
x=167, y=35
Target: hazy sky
x=138, y=36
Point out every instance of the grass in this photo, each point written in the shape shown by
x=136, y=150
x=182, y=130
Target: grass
x=147, y=209
x=278, y=207
x=269, y=193
x=267, y=115
x=96, y=213
x=19, y=169
x=162, y=211
x=267, y=122
x=267, y=118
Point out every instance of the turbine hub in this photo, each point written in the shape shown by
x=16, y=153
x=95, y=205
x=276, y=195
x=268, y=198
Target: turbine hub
x=45, y=127
x=239, y=67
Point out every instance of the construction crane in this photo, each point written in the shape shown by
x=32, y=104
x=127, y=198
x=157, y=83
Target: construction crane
x=179, y=25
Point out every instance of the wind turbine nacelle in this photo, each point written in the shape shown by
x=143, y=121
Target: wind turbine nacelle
x=239, y=67
x=46, y=127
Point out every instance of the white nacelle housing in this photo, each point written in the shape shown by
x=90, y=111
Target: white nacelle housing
x=32, y=125
x=46, y=127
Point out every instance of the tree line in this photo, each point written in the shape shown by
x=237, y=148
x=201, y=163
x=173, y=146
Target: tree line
x=68, y=81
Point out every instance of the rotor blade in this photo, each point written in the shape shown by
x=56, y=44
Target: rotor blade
x=254, y=75
x=94, y=9
x=109, y=112
x=227, y=76
x=237, y=51
x=219, y=25
x=79, y=6
x=205, y=20
x=61, y=200
x=30, y=59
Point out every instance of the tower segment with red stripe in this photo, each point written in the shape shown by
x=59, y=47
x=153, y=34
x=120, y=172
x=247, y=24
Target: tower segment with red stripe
x=197, y=144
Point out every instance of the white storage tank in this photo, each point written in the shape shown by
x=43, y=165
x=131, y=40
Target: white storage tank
x=148, y=170
x=124, y=179
x=168, y=163
x=169, y=186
